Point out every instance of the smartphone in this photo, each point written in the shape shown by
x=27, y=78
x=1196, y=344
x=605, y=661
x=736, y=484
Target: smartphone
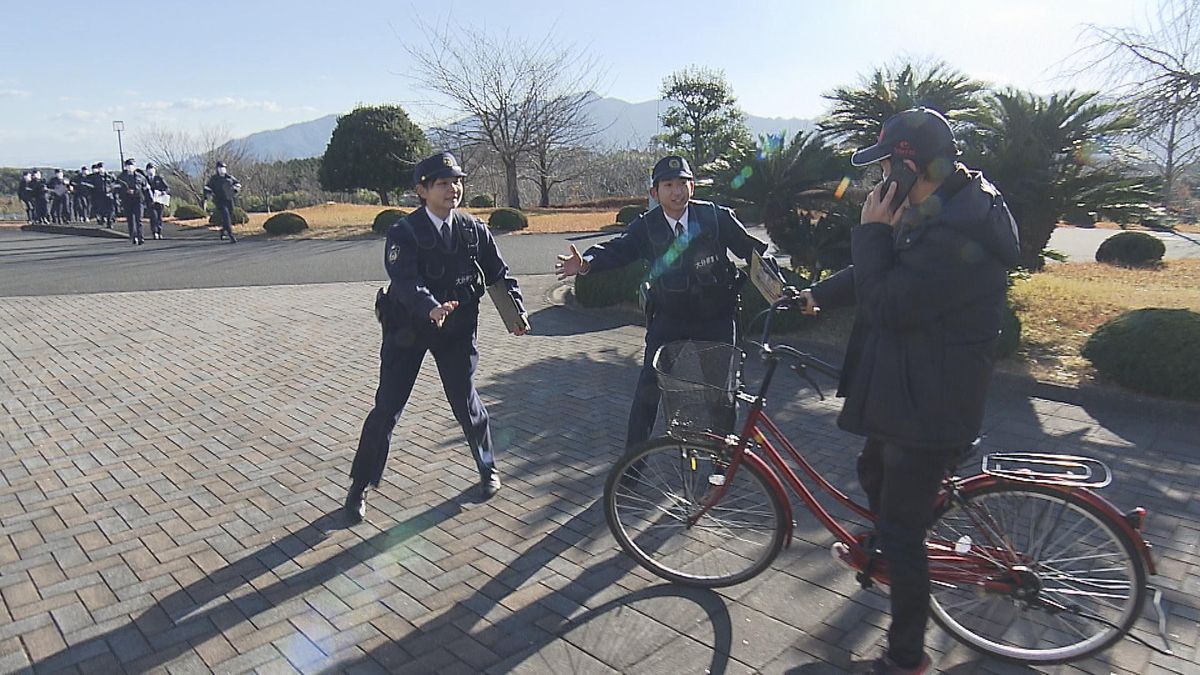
x=904, y=178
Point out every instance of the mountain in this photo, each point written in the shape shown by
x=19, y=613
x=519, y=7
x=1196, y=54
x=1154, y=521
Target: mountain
x=295, y=141
x=622, y=125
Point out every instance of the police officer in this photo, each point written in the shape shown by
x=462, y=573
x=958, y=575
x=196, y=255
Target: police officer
x=39, y=194
x=101, y=183
x=25, y=194
x=59, y=190
x=134, y=192
x=694, y=286
x=440, y=261
x=223, y=188
x=158, y=188
x=81, y=191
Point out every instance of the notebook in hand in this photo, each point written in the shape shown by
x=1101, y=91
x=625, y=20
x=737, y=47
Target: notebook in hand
x=510, y=313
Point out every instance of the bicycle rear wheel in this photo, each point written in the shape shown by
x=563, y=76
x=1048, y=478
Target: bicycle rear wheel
x=653, y=491
x=1033, y=573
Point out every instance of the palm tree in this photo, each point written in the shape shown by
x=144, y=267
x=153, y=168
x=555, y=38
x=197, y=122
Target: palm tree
x=785, y=180
x=1048, y=157
x=859, y=111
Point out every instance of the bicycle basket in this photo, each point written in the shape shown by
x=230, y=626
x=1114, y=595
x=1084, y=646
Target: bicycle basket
x=699, y=382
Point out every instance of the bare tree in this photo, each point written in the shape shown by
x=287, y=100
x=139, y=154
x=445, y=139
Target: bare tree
x=1157, y=69
x=187, y=158
x=512, y=94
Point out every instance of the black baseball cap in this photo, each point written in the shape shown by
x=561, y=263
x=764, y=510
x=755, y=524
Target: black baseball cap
x=919, y=134
x=441, y=165
x=671, y=166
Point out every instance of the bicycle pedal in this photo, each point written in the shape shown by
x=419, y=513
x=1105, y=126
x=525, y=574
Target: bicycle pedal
x=841, y=555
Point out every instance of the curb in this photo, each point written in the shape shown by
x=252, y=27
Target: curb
x=79, y=231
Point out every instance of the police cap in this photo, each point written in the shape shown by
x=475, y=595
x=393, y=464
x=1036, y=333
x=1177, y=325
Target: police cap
x=919, y=134
x=671, y=166
x=441, y=165
x=221, y=165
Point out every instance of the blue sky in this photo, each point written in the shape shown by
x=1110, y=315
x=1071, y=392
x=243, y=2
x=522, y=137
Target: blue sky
x=254, y=65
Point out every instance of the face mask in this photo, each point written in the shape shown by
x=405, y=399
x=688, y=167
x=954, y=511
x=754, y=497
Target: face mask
x=38, y=175
x=222, y=171
x=152, y=171
x=58, y=174
x=129, y=169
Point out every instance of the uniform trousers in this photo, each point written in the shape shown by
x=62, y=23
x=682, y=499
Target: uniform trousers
x=661, y=330
x=156, y=218
x=400, y=362
x=226, y=211
x=133, y=216
x=902, y=485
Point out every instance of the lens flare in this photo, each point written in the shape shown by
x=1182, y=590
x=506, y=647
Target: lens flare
x=841, y=188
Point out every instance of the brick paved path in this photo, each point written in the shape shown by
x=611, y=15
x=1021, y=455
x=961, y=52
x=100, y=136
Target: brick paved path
x=172, y=464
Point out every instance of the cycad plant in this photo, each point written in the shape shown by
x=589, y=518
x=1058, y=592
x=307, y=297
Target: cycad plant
x=1052, y=155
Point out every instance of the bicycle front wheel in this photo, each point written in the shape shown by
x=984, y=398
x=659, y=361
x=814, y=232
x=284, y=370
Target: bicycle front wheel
x=655, y=490
x=1037, y=574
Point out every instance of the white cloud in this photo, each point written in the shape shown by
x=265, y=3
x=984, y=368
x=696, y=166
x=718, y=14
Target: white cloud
x=13, y=93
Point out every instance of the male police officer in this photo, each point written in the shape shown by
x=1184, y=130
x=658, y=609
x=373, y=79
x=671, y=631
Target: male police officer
x=81, y=191
x=440, y=261
x=224, y=188
x=102, y=202
x=40, y=197
x=134, y=192
x=59, y=189
x=694, y=286
x=158, y=189
x=25, y=193
x=930, y=279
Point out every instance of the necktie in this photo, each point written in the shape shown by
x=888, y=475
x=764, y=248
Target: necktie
x=679, y=228
x=447, y=235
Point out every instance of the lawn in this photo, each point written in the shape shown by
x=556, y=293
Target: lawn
x=352, y=221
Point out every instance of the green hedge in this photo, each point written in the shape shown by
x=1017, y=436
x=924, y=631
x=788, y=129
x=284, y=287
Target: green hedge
x=628, y=214
x=611, y=287
x=505, y=219
x=1152, y=350
x=239, y=217
x=385, y=219
x=1132, y=249
x=285, y=223
x=189, y=212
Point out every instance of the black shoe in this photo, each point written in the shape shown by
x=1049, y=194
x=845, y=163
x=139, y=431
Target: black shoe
x=884, y=665
x=355, y=508
x=489, y=484
x=232, y=239
x=222, y=236
x=141, y=241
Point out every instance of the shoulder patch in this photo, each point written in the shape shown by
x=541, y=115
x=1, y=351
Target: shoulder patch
x=393, y=253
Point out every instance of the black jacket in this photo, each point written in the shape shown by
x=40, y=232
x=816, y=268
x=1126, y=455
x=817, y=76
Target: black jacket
x=693, y=276
x=931, y=298
x=223, y=188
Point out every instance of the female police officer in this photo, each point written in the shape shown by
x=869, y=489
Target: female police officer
x=439, y=261
x=694, y=286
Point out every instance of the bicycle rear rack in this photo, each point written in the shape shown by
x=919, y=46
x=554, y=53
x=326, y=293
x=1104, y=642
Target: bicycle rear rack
x=1050, y=469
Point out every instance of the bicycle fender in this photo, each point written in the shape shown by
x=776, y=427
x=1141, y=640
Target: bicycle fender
x=775, y=486
x=1091, y=497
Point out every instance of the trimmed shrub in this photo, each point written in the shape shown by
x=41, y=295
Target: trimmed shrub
x=1131, y=249
x=239, y=217
x=505, y=219
x=1152, y=350
x=611, y=287
x=385, y=219
x=482, y=202
x=189, y=212
x=285, y=223
x=628, y=214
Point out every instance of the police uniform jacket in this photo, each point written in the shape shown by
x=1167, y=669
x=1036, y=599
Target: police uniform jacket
x=931, y=297
x=223, y=188
x=101, y=182
x=425, y=273
x=159, y=184
x=133, y=188
x=691, y=277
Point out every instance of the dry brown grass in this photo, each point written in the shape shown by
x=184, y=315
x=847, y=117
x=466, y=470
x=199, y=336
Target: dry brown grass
x=353, y=221
x=1062, y=306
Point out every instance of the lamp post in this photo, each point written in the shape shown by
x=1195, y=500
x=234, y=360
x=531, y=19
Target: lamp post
x=119, y=126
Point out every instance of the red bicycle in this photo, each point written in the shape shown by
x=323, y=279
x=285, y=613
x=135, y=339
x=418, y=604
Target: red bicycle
x=1027, y=562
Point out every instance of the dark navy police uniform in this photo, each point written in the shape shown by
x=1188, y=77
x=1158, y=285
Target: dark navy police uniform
x=693, y=284
x=134, y=192
x=224, y=189
x=428, y=269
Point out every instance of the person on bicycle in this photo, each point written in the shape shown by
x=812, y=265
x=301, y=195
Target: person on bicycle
x=693, y=286
x=440, y=261
x=929, y=278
